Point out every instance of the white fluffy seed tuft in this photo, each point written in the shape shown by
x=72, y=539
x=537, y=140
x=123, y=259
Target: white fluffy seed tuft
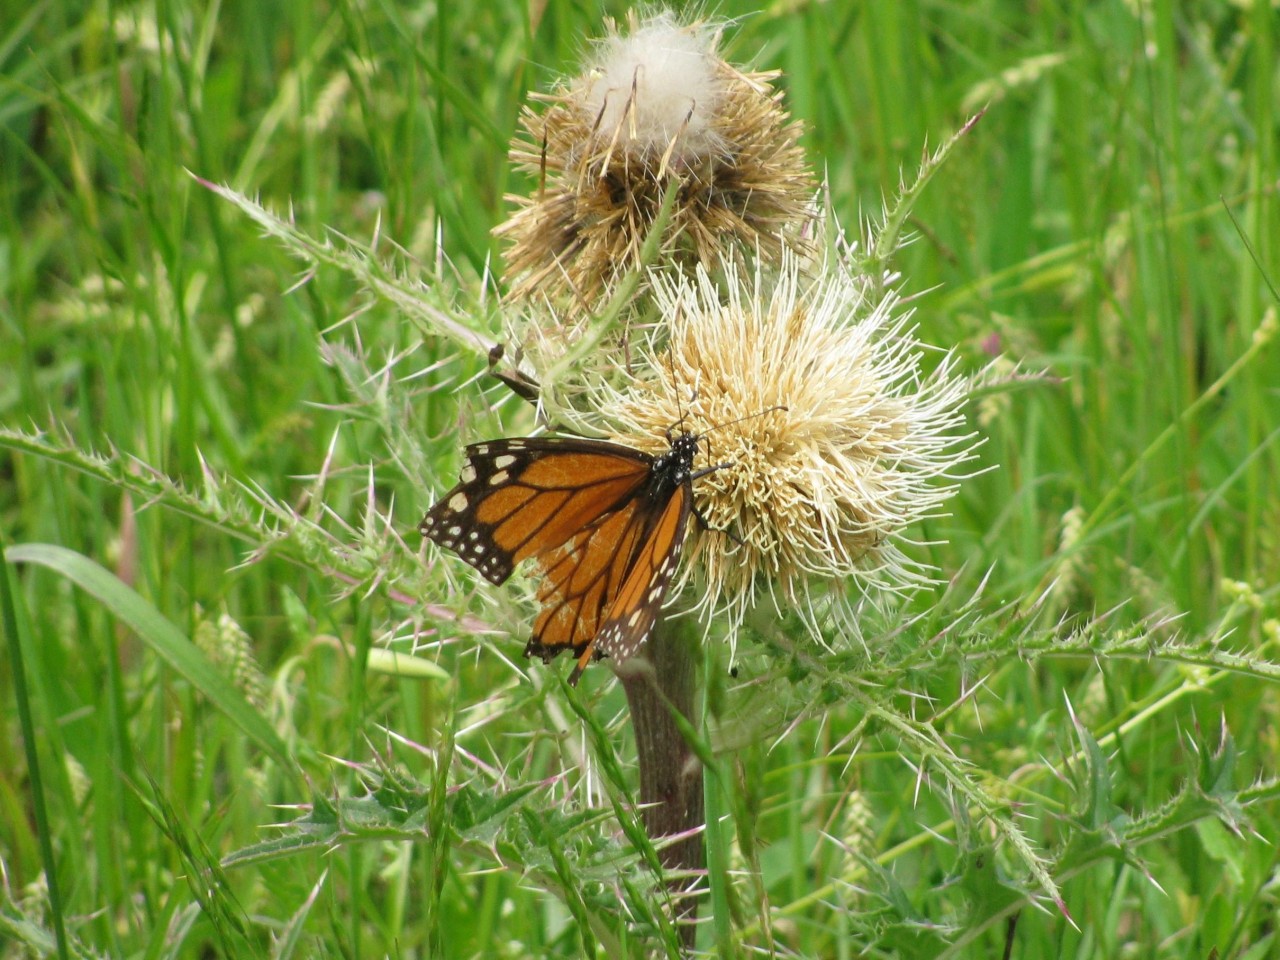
x=657, y=87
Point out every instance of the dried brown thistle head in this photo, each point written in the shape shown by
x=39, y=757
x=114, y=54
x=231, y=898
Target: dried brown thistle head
x=656, y=110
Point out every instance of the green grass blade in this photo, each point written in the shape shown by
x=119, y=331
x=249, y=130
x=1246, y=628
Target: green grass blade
x=9, y=613
x=157, y=632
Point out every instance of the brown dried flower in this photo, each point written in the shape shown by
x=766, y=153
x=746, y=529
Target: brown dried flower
x=656, y=110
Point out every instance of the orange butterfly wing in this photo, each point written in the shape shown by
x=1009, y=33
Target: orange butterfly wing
x=604, y=523
x=635, y=609
x=522, y=498
x=603, y=590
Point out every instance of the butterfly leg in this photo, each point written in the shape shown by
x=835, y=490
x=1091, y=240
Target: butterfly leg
x=702, y=522
x=587, y=656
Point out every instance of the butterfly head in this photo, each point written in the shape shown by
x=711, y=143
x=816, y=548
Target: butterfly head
x=676, y=464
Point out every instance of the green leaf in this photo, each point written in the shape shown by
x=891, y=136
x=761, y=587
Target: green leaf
x=1223, y=846
x=291, y=936
x=1100, y=812
x=395, y=664
x=987, y=890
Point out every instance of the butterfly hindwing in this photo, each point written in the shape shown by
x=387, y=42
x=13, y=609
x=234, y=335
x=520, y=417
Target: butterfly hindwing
x=580, y=580
x=634, y=611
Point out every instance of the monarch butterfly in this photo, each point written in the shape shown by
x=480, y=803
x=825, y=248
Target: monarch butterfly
x=603, y=522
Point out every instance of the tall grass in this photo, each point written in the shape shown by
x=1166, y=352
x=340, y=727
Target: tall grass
x=217, y=440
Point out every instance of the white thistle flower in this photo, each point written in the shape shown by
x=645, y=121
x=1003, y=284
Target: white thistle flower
x=833, y=440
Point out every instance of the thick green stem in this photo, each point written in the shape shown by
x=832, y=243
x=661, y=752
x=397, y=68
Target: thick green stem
x=661, y=679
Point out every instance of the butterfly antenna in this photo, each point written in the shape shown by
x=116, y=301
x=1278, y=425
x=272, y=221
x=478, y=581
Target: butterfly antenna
x=721, y=466
x=747, y=416
x=680, y=421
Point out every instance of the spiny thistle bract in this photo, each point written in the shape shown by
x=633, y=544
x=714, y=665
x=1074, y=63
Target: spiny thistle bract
x=657, y=109
x=832, y=439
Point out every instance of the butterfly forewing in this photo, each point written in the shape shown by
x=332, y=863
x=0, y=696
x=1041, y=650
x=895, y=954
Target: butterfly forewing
x=603, y=523
x=515, y=501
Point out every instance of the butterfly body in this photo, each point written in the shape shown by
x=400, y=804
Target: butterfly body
x=603, y=522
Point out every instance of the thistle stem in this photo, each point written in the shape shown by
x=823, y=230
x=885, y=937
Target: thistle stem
x=658, y=681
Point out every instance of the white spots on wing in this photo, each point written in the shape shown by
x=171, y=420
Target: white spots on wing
x=458, y=502
x=482, y=554
x=468, y=472
x=494, y=568
x=480, y=450
x=504, y=461
x=499, y=478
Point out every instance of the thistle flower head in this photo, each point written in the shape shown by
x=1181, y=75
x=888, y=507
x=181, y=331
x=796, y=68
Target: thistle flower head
x=831, y=438
x=657, y=109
